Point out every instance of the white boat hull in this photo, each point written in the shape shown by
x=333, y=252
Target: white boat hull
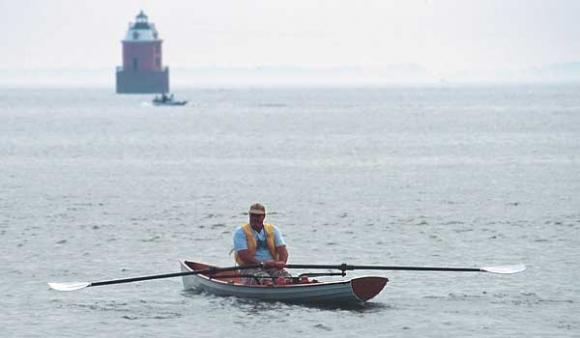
x=356, y=290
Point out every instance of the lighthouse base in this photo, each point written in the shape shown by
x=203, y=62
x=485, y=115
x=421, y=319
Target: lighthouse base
x=142, y=82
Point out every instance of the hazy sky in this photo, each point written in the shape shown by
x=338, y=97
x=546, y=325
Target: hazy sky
x=441, y=35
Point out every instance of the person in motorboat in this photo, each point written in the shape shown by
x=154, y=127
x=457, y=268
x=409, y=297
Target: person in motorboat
x=260, y=243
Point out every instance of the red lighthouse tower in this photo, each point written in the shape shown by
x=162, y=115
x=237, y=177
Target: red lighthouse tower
x=142, y=71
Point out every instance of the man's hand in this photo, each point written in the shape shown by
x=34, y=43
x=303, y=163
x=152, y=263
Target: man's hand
x=275, y=264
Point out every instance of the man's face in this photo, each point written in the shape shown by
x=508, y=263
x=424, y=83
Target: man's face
x=257, y=220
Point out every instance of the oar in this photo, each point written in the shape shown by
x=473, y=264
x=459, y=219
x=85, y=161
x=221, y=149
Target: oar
x=344, y=267
x=73, y=286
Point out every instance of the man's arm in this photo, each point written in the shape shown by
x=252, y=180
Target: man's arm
x=247, y=257
x=241, y=248
x=282, y=253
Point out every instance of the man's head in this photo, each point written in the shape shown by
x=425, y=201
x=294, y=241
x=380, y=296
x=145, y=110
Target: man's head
x=257, y=214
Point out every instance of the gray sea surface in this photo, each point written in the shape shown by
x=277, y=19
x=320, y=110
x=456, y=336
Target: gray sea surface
x=97, y=186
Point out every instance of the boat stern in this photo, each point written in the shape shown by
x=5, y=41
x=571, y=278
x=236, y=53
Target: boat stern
x=366, y=288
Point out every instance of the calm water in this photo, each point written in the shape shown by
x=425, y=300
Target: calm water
x=96, y=186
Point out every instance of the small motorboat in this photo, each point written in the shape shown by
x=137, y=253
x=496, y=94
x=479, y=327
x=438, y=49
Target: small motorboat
x=167, y=100
x=300, y=290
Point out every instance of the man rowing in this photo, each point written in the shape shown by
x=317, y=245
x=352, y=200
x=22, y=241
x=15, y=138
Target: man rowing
x=260, y=243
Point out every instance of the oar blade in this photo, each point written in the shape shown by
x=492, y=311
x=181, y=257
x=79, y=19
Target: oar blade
x=505, y=269
x=73, y=286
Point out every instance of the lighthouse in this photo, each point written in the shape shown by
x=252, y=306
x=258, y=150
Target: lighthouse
x=142, y=71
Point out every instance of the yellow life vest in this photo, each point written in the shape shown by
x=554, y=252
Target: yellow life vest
x=252, y=243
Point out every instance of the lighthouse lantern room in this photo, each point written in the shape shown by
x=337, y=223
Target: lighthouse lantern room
x=142, y=71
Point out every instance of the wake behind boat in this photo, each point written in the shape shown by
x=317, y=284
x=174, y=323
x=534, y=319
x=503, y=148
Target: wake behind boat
x=301, y=290
x=167, y=100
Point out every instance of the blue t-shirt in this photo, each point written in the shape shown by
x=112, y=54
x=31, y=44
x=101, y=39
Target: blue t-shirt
x=262, y=252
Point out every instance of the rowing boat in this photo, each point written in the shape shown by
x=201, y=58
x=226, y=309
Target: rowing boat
x=351, y=291
x=221, y=281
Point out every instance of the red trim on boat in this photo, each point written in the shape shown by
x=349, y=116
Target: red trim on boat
x=366, y=288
